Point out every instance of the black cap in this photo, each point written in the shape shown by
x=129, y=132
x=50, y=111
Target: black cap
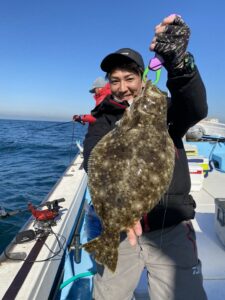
x=121, y=56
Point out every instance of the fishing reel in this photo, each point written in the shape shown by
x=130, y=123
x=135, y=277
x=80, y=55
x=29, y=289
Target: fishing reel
x=43, y=228
x=45, y=219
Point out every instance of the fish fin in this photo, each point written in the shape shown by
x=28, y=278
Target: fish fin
x=105, y=249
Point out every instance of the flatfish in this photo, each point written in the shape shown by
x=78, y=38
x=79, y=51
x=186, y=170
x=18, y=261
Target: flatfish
x=129, y=170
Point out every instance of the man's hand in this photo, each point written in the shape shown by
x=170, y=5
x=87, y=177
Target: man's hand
x=78, y=118
x=170, y=42
x=133, y=233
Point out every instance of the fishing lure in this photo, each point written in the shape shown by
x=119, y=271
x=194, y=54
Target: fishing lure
x=155, y=64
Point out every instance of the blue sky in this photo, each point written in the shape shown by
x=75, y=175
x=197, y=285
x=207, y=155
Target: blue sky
x=51, y=50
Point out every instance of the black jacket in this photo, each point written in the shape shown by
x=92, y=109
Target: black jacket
x=186, y=107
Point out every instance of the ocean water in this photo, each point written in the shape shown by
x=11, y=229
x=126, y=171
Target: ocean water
x=33, y=156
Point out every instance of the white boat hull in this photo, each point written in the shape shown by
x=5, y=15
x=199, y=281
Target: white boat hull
x=39, y=280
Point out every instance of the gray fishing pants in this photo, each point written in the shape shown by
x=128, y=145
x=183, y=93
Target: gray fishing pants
x=170, y=257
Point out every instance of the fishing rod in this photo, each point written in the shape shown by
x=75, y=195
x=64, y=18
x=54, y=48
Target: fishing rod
x=5, y=214
x=33, y=131
x=52, y=206
x=54, y=125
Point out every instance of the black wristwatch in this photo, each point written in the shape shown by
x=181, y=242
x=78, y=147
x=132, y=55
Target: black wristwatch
x=187, y=68
x=189, y=63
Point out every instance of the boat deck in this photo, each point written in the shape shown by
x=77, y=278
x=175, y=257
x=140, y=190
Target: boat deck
x=32, y=268
x=211, y=250
x=46, y=277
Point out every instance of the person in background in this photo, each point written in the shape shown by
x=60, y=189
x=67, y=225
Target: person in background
x=100, y=89
x=164, y=240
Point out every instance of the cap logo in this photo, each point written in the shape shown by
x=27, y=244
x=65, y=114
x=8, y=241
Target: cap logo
x=125, y=53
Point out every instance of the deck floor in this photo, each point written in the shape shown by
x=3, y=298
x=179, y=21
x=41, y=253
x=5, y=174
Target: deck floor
x=211, y=250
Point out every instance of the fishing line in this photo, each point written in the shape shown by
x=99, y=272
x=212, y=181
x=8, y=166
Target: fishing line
x=29, y=134
x=6, y=214
x=71, y=145
x=31, y=131
x=38, y=129
x=165, y=197
x=165, y=203
x=54, y=125
x=12, y=146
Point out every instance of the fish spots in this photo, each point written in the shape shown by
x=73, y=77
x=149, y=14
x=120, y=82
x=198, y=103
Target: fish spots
x=129, y=171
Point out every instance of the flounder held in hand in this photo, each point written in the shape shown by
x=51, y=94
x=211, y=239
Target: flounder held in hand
x=129, y=171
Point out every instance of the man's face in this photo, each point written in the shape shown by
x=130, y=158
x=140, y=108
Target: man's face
x=97, y=90
x=125, y=85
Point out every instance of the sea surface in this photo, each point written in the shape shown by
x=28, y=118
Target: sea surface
x=33, y=156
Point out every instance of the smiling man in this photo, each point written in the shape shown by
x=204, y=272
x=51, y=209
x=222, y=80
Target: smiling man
x=164, y=240
x=126, y=69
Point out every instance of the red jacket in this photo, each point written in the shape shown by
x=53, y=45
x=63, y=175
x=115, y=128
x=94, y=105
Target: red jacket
x=105, y=91
x=87, y=118
x=99, y=97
